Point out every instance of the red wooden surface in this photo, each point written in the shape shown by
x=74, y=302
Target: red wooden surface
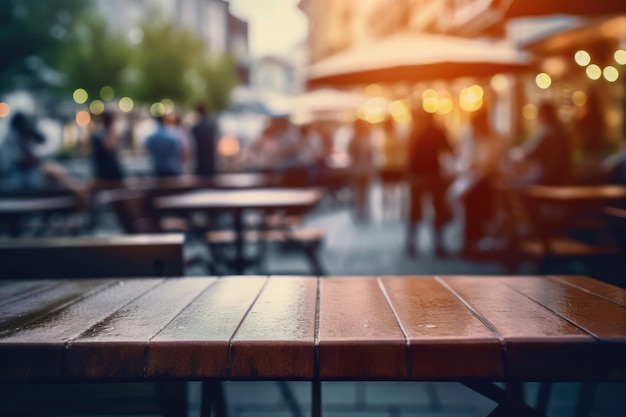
x=401, y=328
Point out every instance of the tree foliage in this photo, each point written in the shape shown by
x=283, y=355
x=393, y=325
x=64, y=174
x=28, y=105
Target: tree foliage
x=33, y=34
x=96, y=57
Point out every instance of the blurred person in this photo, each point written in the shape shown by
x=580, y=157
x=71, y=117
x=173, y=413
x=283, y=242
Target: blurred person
x=173, y=122
x=205, y=135
x=20, y=159
x=105, y=143
x=548, y=154
x=361, y=153
x=590, y=141
x=276, y=149
x=166, y=151
x=26, y=169
x=474, y=188
x=427, y=142
x=392, y=165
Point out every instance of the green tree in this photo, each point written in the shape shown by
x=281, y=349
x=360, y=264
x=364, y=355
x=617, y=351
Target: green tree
x=217, y=77
x=166, y=62
x=173, y=63
x=96, y=57
x=33, y=34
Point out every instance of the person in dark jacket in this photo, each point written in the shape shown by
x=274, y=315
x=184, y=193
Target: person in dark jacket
x=205, y=137
x=427, y=141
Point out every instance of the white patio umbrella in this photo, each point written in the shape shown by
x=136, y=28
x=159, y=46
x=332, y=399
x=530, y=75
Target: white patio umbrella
x=416, y=57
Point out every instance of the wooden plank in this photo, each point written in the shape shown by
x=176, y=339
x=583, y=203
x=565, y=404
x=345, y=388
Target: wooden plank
x=14, y=290
x=19, y=312
x=602, y=318
x=446, y=339
x=277, y=337
x=539, y=344
x=358, y=334
x=35, y=351
x=196, y=343
x=115, y=348
x=608, y=291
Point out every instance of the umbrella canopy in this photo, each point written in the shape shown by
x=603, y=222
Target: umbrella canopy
x=416, y=57
x=528, y=8
x=327, y=100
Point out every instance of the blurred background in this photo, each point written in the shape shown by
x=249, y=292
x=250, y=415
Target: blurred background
x=65, y=61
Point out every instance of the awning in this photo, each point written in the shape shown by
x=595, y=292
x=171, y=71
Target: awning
x=528, y=8
x=415, y=57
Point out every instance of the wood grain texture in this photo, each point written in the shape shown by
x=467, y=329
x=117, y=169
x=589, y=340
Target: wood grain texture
x=601, y=318
x=359, y=336
x=539, y=344
x=608, y=291
x=36, y=350
x=19, y=312
x=277, y=337
x=446, y=339
x=115, y=348
x=196, y=343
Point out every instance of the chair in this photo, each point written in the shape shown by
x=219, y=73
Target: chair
x=563, y=235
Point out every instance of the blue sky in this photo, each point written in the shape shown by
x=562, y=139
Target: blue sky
x=275, y=26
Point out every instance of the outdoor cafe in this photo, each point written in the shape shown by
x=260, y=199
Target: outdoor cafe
x=286, y=264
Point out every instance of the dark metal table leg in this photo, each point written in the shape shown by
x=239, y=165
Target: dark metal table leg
x=316, y=398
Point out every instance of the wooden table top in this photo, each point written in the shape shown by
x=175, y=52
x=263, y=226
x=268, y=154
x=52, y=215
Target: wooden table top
x=262, y=198
x=397, y=328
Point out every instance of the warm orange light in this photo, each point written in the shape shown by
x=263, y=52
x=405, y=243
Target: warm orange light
x=593, y=72
x=579, y=98
x=543, y=81
x=83, y=118
x=610, y=73
x=5, y=110
x=582, y=58
x=529, y=112
x=228, y=146
x=471, y=98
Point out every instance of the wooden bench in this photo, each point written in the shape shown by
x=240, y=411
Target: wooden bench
x=92, y=256
x=473, y=329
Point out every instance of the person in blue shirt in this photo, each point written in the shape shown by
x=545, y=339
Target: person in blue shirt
x=166, y=151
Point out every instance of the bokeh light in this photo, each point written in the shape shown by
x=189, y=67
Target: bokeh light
x=168, y=105
x=96, y=107
x=373, y=90
x=107, y=93
x=529, y=111
x=471, y=98
x=80, y=96
x=579, y=98
x=499, y=83
x=83, y=118
x=5, y=110
x=543, y=81
x=582, y=58
x=430, y=100
x=620, y=56
x=374, y=110
x=126, y=104
x=446, y=104
x=228, y=146
x=400, y=111
x=594, y=72
x=157, y=109
x=611, y=74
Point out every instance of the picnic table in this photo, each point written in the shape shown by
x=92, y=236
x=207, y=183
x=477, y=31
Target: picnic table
x=14, y=209
x=236, y=203
x=473, y=329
